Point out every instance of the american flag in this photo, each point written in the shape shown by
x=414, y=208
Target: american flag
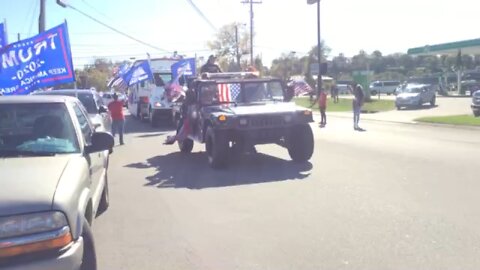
x=119, y=83
x=228, y=92
x=301, y=88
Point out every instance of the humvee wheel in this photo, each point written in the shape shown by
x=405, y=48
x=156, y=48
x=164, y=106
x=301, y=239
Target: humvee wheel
x=185, y=145
x=300, y=143
x=217, y=149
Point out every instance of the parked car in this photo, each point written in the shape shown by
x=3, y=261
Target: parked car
x=344, y=89
x=476, y=104
x=383, y=87
x=415, y=95
x=122, y=97
x=107, y=97
x=93, y=103
x=53, y=183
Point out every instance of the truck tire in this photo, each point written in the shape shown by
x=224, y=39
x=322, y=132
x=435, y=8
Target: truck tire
x=89, y=260
x=433, y=101
x=301, y=143
x=185, y=145
x=151, y=118
x=217, y=149
x=476, y=113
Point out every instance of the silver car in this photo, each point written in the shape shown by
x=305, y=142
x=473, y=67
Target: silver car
x=53, y=177
x=415, y=95
x=476, y=103
x=93, y=103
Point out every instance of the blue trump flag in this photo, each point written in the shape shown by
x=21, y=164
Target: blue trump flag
x=139, y=72
x=41, y=61
x=3, y=35
x=184, y=67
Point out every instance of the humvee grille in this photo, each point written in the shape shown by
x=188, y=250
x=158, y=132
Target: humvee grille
x=266, y=121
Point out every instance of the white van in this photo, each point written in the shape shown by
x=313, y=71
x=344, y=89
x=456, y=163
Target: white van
x=383, y=87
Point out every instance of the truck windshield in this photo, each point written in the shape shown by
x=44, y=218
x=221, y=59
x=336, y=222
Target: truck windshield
x=241, y=92
x=36, y=129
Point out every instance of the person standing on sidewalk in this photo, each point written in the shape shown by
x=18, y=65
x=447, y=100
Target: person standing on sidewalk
x=357, y=103
x=334, y=93
x=322, y=104
x=118, y=118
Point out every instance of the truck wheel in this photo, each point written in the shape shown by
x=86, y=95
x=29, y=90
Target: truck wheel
x=185, y=145
x=300, y=143
x=151, y=119
x=89, y=260
x=217, y=149
x=476, y=113
x=373, y=93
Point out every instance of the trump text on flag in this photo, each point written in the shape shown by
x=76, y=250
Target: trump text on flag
x=41, y=61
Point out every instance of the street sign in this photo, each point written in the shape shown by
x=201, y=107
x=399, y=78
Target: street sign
x=310, y=2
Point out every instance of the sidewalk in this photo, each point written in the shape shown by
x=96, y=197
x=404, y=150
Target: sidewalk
x=445, y=106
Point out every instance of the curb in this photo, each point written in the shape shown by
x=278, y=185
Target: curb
x=408, y=123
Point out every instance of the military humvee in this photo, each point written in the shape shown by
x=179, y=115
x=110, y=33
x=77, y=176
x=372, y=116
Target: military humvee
x=236, y=111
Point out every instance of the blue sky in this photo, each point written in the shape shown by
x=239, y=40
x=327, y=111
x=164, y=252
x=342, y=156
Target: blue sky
x=281, y=26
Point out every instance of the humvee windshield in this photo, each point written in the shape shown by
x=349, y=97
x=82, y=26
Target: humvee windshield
x=241, y=92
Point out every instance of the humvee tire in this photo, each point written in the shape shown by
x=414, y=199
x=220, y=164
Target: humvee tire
x=185, y=145
x=300, y=143
x=217, y=149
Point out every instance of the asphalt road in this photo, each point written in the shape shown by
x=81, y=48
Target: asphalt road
x=398, y=196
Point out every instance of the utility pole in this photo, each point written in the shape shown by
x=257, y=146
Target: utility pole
x=319, y=43
x=251, y=2
x=237, y=54
x=41, y=18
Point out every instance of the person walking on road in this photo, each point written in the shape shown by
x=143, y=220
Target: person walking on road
x=118, y=118
x=210, y=66
x=357, y=103
x=322, y=104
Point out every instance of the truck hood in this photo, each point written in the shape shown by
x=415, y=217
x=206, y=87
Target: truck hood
x=28, y=184
x=269, y=108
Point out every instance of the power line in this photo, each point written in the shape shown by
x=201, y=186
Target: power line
x=33, y=17
x=202, y=15
x=96, y=10
x=116, y=30
x=92, y=55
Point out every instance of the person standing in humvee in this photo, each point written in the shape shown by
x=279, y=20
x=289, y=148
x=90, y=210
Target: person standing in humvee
x=210, y=66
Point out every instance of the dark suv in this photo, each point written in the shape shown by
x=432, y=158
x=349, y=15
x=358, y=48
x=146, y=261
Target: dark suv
x=234, y=111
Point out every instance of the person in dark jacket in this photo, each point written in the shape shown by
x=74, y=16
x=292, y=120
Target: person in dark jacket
x=210, y=66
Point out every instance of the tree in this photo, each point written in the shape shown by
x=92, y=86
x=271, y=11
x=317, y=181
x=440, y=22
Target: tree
x=225, y=45
x=286, y=66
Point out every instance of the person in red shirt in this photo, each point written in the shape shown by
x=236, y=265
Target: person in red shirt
x=118, y=119
x=322, y=104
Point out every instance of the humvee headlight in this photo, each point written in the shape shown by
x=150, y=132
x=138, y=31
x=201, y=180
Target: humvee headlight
x=222, y=118
x=243, y=121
